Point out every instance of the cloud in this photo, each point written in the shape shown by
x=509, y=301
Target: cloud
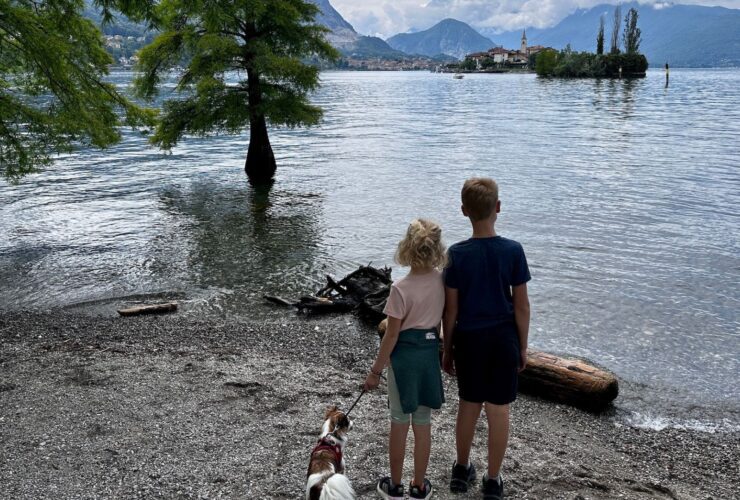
x=385, y=18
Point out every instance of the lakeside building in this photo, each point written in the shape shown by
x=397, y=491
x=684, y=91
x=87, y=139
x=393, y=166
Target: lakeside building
x=509, y=57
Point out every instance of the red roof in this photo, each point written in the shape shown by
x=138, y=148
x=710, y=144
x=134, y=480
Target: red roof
x=498, y=50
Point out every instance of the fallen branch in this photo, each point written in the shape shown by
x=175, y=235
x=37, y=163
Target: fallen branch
x=279, y=301
x=149, y=309
x=364, y=291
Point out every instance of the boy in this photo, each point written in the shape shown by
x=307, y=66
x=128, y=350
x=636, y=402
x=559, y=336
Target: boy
x=486, y=325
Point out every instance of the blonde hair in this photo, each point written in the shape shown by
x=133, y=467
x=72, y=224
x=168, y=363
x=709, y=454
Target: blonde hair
x=479, y=197
x=422, y=246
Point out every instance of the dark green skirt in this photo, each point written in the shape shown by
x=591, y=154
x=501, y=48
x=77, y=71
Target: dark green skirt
x=415, y=361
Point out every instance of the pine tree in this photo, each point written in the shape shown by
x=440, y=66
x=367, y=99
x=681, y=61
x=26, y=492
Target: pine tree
x=600, y=37
x=52, y=91
x=632, y=34
x=263, y=42
x=615, y=30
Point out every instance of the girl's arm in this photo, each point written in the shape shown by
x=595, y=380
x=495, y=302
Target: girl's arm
x=448, y=321
x=521, y=318
x=384, y=354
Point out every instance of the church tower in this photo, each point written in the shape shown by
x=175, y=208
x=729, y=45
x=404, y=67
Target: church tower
x=524, y=42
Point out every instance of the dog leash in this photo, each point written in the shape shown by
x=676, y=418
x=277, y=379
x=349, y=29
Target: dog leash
x=358, y=400
x=355, y=403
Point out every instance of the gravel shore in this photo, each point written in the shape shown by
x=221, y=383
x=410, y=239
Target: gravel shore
x=175, y=407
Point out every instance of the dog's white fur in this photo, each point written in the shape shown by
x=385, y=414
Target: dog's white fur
x=337, y=486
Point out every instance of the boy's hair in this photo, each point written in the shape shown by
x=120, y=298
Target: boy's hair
x=479, y=197
x=422, y=246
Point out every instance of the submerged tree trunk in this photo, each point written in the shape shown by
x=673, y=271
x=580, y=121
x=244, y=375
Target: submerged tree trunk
x=260, y=166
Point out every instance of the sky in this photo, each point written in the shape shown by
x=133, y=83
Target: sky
x=385, y=18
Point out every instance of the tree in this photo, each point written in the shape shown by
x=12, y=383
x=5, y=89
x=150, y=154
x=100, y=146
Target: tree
x=631, y=36
x=52, y=91
x=600, y=37
x=615, y=30
x=262, y=43
x=547, y=60
x=467, y=64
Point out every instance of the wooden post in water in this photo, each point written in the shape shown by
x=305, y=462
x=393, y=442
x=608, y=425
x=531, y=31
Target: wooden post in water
x=667, y=75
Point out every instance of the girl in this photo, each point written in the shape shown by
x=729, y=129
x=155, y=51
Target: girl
x=411, y=345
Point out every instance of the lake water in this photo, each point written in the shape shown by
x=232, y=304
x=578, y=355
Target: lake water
x=625, y=195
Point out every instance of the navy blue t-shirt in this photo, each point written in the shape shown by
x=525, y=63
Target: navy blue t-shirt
x=483, y=270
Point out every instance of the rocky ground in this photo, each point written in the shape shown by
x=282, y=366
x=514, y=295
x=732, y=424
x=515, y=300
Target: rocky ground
x=174, y=407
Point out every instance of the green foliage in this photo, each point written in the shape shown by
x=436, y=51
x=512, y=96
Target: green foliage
x=600, y=37
x=615, y=30
x=546, y=62
x=52, y=94
x=632, y=34
x=467, y=65
x=631, y=64
x=569, y=64
x=263, y=42
x=488, y=63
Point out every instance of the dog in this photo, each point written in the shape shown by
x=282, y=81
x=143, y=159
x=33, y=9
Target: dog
x=326, y=479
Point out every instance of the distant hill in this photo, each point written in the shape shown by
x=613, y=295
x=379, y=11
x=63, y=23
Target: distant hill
x=120, y=25
x=350, y=43
x=682, y=35
x=450, y=37
x=371, y=47
x=342, y=32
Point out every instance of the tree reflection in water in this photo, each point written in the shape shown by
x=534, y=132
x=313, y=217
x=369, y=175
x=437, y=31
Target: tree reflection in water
x=243, y=242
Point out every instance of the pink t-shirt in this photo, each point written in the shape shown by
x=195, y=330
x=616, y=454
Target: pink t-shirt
x=418, y=300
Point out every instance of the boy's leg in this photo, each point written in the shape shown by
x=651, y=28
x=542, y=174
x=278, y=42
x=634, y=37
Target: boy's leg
x=498, y=436
x=397, y=450
x=467, y=417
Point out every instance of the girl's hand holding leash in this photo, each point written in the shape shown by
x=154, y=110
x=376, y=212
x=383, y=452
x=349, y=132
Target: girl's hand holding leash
x=372, y=381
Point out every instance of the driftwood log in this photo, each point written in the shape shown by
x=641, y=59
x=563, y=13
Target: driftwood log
x=364, y=291
x=149, y=309
x=570, y=381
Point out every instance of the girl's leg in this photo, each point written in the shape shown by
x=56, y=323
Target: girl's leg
x=422, y=449
x=421, y=421
x=399, y=430
x=498, y=436
x=467, y=417
x=397, y=450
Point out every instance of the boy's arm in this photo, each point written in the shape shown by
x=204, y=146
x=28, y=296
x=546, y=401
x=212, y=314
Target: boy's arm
x=384, y=354
x=448, y=322
x=521, y=317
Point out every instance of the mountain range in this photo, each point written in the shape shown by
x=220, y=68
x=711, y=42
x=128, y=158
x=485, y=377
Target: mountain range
x=682, y=35
x=450, y=37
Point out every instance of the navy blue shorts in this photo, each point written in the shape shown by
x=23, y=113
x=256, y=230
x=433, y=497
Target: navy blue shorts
x=487, y=364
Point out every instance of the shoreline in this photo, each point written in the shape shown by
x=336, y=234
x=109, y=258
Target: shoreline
x=173, y=406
